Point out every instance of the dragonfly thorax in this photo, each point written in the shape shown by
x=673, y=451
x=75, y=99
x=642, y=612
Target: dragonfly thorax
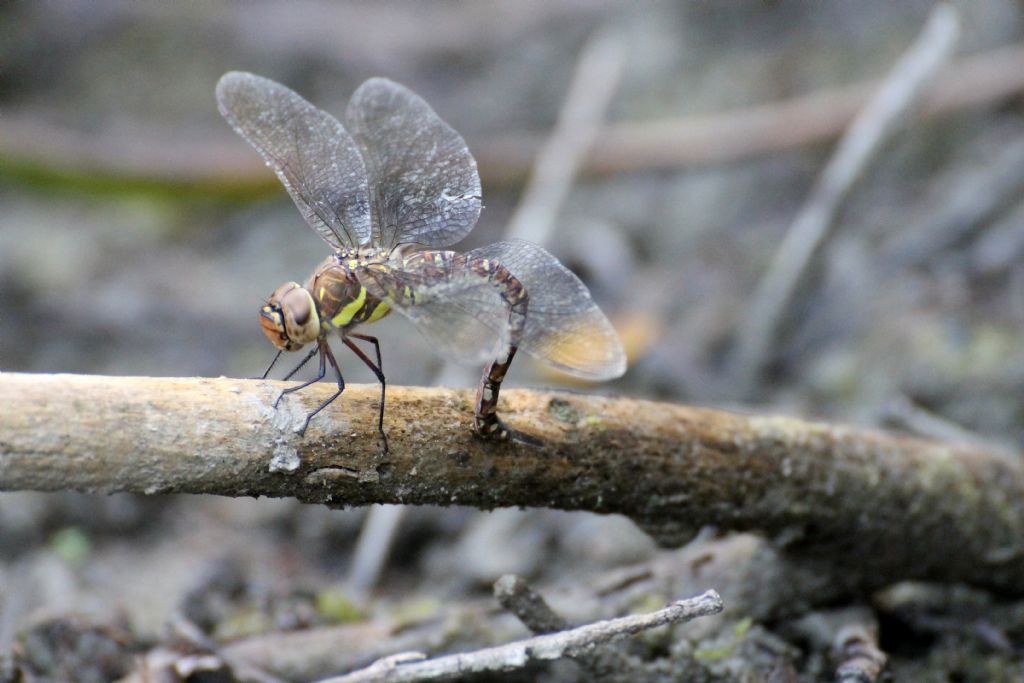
x=341, y=299
x=290, y=318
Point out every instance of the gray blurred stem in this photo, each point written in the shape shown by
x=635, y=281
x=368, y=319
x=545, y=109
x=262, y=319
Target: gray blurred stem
x=374, y=546
x=875, y=125
x=580, y=120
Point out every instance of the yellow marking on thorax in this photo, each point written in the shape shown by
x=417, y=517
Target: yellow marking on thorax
x=349, y=310
x=379, y=312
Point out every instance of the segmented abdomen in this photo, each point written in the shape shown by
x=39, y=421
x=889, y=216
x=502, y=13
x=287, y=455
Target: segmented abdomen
x=442, y=264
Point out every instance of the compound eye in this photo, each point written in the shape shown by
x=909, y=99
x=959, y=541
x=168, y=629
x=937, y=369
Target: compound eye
x=299, y=306
x=301, y=322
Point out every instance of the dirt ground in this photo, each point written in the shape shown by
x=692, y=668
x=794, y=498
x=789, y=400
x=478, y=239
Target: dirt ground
x=139, y=236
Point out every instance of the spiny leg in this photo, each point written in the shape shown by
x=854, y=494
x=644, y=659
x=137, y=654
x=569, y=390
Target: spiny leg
x=378, y=370
x=320, y=375
x=295, y=369
x=272, y=363
x=301, y=364
x=325, y=352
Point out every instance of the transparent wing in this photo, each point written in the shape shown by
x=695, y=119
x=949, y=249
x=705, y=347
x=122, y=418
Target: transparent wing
x=459, y=312
x=314, y=157
x=423, y=180
x=564, y=327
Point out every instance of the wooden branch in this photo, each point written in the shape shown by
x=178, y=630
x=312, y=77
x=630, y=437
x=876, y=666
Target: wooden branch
x=413, y=666
x=869, y=507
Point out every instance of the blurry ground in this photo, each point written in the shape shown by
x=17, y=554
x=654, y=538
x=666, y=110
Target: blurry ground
x=912, y=314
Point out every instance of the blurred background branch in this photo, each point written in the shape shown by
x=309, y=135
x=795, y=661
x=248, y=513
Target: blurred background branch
x=133, y=160
x=881, y=117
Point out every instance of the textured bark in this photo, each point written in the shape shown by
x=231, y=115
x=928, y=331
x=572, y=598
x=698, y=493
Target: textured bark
x=865, y=506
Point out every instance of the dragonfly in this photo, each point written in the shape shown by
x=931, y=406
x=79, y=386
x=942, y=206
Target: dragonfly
x=388, y=191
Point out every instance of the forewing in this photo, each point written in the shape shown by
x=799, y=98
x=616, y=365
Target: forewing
x=564, y=327
x=459, y=312
x=314, y=157
x=423, y=181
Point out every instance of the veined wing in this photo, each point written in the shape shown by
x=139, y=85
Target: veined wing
x=460, y=313
x=423, y=180
x=314, y=157
x=564, y=327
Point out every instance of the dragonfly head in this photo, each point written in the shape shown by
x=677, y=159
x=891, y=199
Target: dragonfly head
x=289, y=318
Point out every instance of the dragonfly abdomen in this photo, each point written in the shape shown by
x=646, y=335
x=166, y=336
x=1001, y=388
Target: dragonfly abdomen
x=441, y=266
x=514, y=294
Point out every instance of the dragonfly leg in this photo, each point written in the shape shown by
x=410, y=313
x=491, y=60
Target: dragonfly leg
x=298, y=367
x=378, y=370
x=325, y=353
x=272, y=363
x=321, y=347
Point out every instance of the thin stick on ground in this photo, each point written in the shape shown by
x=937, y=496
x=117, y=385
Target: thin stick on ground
x=511, y=656
x=516, y=596
x=530, y=607
x=859, y=658
x=861, y=144
x=895, y=505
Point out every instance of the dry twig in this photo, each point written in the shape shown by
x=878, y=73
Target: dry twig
x=872, y=128
x=516, y=596
x=608, y=664
x=894, y=504
x=856, y=650
x=512, y=656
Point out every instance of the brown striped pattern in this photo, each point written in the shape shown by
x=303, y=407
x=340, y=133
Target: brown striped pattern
x=334, y=285
x=486, y=422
